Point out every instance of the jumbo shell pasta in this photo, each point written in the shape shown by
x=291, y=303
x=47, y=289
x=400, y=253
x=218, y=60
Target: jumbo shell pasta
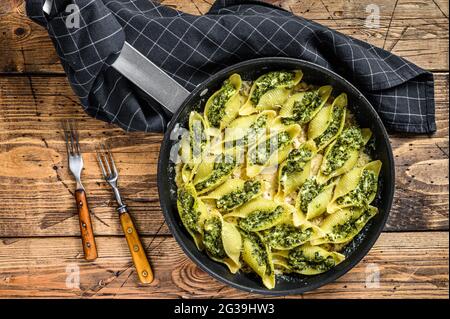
x=222, y=241
x=275, y=179
x=295, y=170
x=270, y=91
x=326, y=126
x=223, y=106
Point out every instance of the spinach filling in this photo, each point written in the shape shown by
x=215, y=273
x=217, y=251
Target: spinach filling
x=212, y=238
x=270, y=81
x=367, y=185
x=259, y=218
x=262, y=152
x=216, y=111
x=309, y=190
x=189, y=215
x=256, y=129
x=350, y=140
x=333, y=127
x=342, y=231
x=259, y=252
x=220, y=169
x=287, y=236
x=302, y=110
x=240, y=196
x=296, y=161
x=298, y=261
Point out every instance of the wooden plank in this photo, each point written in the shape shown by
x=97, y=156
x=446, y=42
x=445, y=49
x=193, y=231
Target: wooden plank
x=410, y=265
x=24, y=45
x=422, y=172
x=36, y=187
x=415, y=29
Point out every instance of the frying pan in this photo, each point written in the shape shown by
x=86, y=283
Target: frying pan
x=156, y=83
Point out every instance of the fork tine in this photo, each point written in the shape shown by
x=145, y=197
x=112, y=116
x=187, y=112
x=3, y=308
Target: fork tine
x=74, y=130
x=113, y=165
x=104, y=153
x=102, y=166
x=66, y=136
x=72, y=140
x=111, y=159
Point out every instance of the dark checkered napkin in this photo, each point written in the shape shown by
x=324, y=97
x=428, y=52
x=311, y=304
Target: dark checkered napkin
x=190, y=48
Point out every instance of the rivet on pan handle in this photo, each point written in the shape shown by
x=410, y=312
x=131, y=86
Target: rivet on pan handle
x=150, y=78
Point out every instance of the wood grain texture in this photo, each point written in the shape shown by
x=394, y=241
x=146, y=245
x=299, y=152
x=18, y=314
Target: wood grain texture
x=39, y=232
x=414, y=29
x=410, y=265
x=32, y=155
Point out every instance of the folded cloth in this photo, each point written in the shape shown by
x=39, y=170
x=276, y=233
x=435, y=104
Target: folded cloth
x=190, y=48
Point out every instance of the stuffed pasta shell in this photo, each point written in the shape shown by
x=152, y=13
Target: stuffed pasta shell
x=276, y=176
x=270, y=91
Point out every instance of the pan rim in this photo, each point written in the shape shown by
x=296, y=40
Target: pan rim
x=368, y=241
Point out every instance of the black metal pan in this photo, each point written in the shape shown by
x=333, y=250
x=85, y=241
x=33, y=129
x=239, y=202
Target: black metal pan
x=180, y=102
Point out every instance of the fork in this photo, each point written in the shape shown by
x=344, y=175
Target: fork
x=109, y=170
x=76, y=166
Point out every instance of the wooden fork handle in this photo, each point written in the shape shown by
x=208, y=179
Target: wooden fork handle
x=137, y=251
x=87, y=234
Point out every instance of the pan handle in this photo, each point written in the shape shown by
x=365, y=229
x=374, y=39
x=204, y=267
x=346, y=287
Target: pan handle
x=150, y=78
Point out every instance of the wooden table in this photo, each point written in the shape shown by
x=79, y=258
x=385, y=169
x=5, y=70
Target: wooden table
x=39, y=234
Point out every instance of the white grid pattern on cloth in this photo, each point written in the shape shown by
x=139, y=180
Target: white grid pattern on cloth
x=190, y=48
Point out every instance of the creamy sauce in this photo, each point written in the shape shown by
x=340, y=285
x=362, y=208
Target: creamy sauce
x=315, y=164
